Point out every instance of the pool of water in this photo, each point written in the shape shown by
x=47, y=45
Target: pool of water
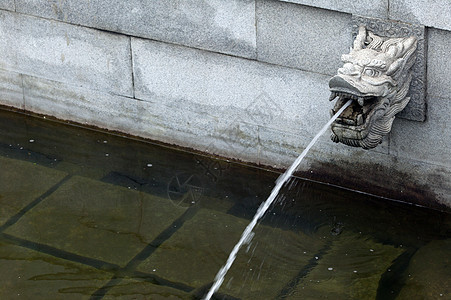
x=90, y=215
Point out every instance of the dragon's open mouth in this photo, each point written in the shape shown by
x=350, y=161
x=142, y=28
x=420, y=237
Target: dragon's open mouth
x=358, y=112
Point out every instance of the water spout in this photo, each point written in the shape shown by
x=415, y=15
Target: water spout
x=376, y=75
x=247, y=233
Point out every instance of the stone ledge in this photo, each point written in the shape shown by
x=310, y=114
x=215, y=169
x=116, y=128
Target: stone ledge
x=11, y=89
x=81, y=105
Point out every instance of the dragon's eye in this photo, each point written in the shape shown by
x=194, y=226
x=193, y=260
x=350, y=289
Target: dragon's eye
x=371, y=72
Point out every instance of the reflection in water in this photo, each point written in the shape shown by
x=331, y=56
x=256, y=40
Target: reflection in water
x=147, y=222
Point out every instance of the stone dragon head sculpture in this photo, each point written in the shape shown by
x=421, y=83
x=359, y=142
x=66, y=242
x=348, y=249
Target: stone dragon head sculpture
x=376, y=75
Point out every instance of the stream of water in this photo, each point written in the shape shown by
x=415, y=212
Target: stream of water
x=247, y=235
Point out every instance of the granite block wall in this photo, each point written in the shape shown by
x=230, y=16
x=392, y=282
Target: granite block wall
x=244, y=79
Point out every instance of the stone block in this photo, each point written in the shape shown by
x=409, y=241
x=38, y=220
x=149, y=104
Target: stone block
x=31, y=274
x=378, y=8
x=80, y=105
x=439, y=63
x=7, y=4
x=183, y=125
x=220, y=26
x=11, y=91
x=97, y=220
x=303, y=37
x=428, y=141
x=67, y=53
x=22, y=182
x=428, y=13
x=225, y=88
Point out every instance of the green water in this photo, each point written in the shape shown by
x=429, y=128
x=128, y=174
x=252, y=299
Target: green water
x=87, y=215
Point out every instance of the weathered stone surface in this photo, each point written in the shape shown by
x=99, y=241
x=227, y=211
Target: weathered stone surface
x=68, y=102
x=220, y=26
x=439, y=64
x=228, y=89
x=390, y=176
x=378, y=8
x=22, y=182
x=97, y=220
x=201, y=255
x=29, y=274
x=7, y=4
x=428, y=141
x=416, y=108
x=66, y=53
x=428, y=13
x=303, y=37
x=11, y=91
x=428, y=271
x=183, y=125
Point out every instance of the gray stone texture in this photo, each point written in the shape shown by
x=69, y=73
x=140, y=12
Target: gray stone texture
x=439, y=63
x=416, y=108
x=7, y=4
x=80, y=105
x=435, y=13
x=66, y=53
x=373, y=8
x=428, y=141
x=220, y=26
x=303, y=37
x=11, y=91
x=227, y=88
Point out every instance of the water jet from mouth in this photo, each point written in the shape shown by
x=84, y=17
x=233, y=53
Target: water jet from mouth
x=247, y=234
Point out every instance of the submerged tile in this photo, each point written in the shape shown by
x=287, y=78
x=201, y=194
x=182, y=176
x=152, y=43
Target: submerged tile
x=29, y=274
x=351, y=269
x=138, y=289
x=97, y=220
x=22, y=182
x=197, y=251
x=429, y=272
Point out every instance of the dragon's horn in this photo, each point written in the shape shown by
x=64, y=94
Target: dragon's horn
x=359, y=41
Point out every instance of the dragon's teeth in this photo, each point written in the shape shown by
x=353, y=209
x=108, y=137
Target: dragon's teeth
x=360, y=101
x=333, y=95
x=359, y=120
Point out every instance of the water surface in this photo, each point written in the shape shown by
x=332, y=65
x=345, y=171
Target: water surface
x=88, y=215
